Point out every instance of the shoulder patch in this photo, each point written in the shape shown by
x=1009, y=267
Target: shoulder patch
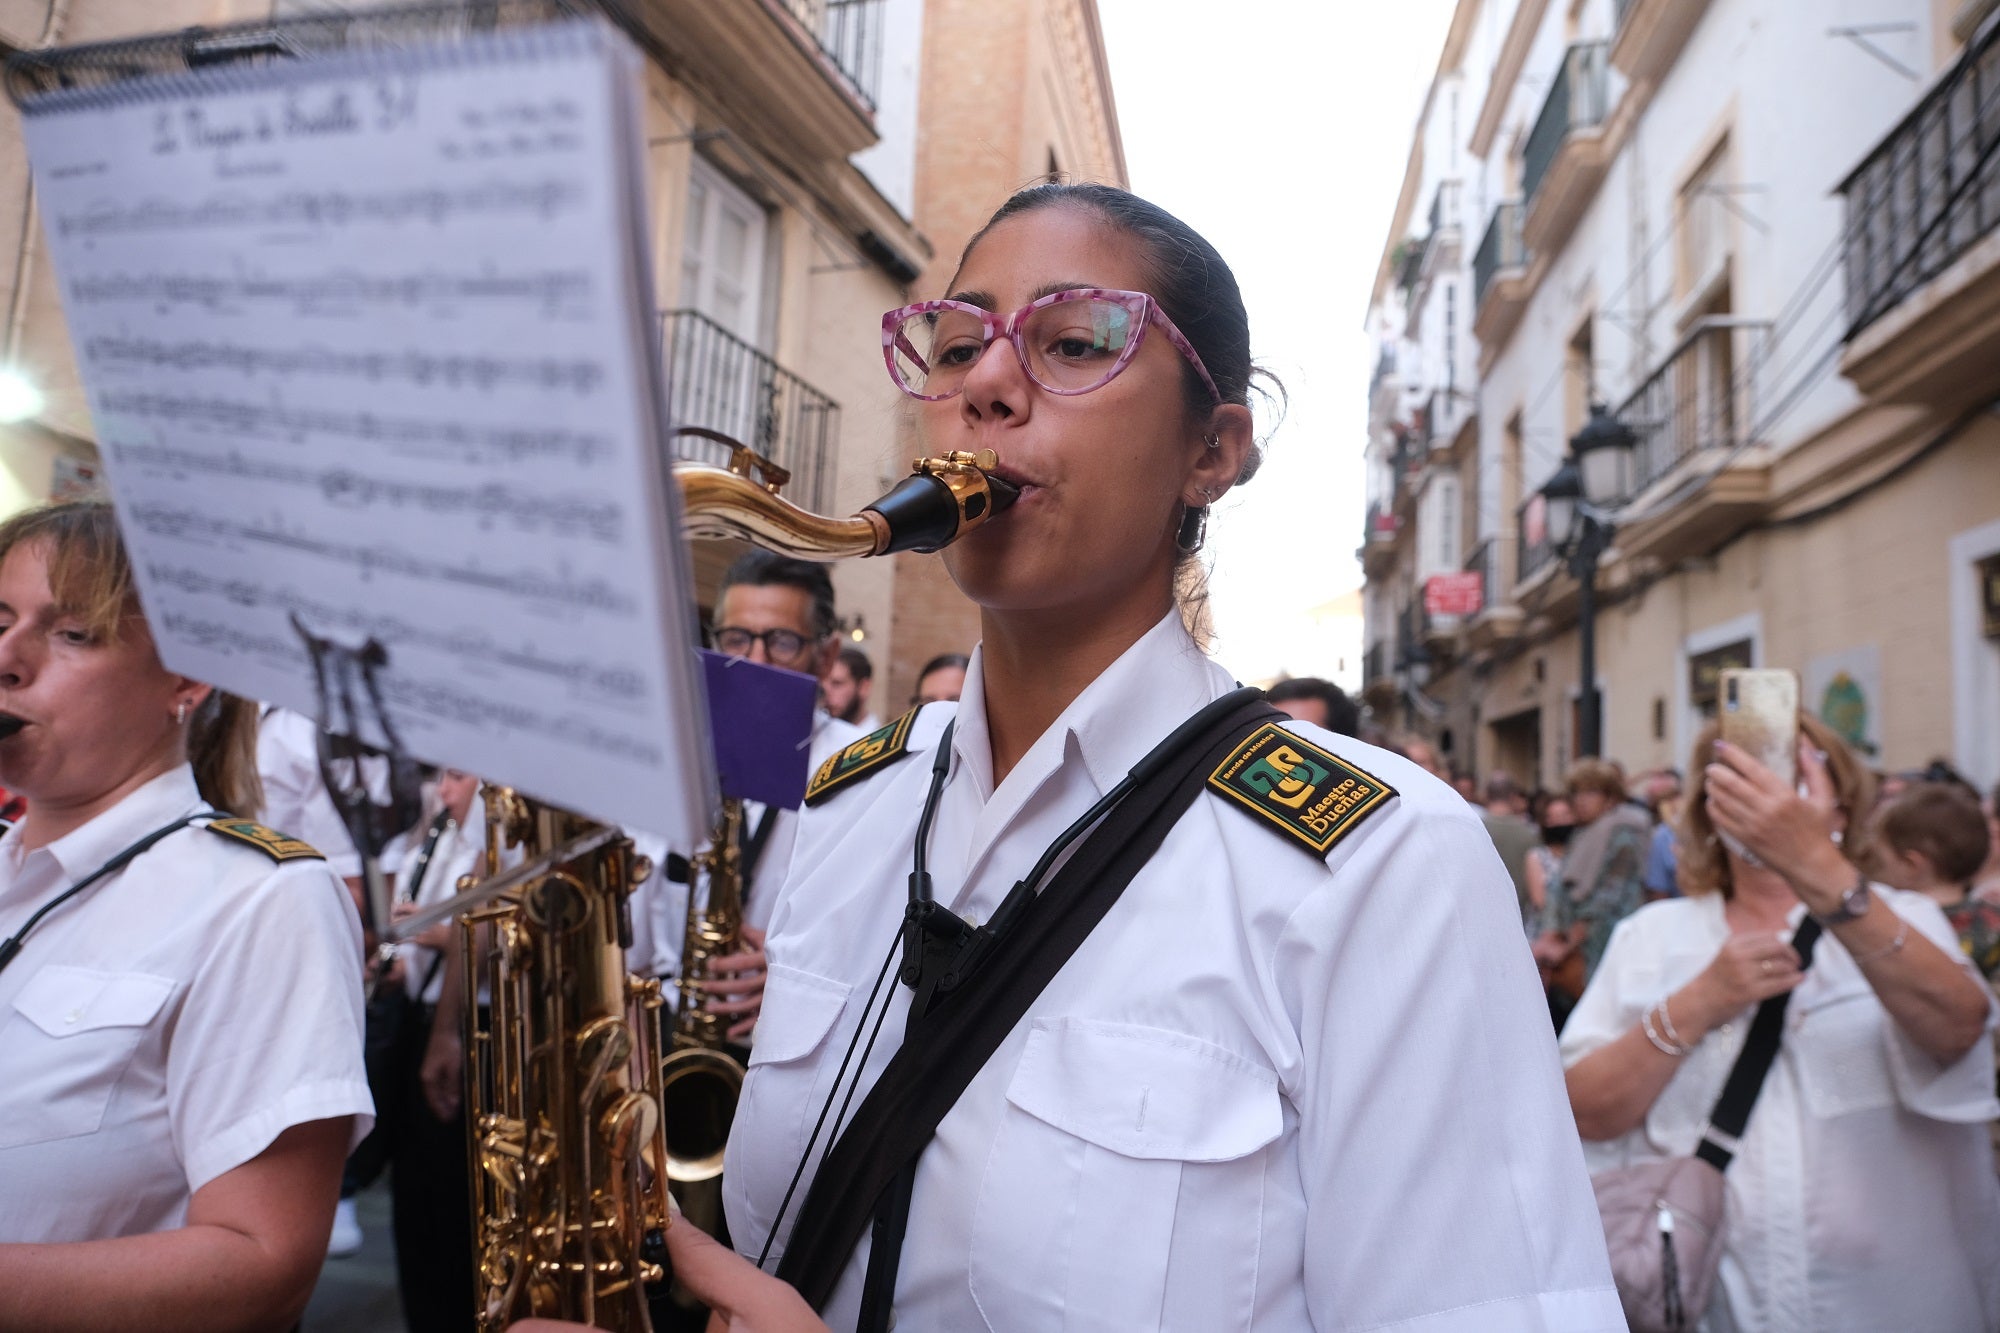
x=278, y=846
x=1314, y=796
x=864, y=756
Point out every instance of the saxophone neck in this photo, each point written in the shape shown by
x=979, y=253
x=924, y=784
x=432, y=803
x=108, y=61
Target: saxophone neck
x=941, y=500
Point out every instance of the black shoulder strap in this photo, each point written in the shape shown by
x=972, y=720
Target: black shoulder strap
x=752, y=843
x=1746, y=1078
x=946, y=1047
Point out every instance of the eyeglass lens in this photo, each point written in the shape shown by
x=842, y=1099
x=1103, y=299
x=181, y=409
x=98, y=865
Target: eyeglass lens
x=778, y=643
x=1070, y=346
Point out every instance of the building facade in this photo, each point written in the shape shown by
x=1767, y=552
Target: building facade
x=1763, y=236
x=1013, y=94
x=781, y=155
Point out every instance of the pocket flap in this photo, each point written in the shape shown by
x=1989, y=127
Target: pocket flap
x=63, y=1001
x=1146, y=1092
x=799, y=1010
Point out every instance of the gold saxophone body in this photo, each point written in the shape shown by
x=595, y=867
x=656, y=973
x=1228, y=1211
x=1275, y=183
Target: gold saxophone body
x=578, y=1116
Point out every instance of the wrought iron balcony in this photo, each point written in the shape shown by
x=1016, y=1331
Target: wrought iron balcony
x=1929, y=191
x=1535, y=545
x=716, y=380
x=1698, y=400
x=1444, y=209
x=850, y=33
x=1500, y=249
x=1374, y=661
x=1485, y=562
x=1577, y=100
x=1410, y=648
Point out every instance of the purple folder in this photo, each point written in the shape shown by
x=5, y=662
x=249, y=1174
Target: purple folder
x=761, y=717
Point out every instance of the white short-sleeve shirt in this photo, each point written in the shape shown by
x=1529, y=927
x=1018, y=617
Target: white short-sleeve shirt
x=295, y=796
x=1863, y=1196
x=1270, y=1091
x=659, y=905
x=168, y=1023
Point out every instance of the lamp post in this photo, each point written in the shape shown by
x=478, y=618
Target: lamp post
x=1577, y=498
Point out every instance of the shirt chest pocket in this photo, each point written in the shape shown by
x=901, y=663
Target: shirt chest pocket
x=66, y=1046
x=1123, y=1149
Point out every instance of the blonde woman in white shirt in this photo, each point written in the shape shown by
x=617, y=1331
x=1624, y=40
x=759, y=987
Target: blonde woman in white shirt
x=1863, y=1196
x=180, y=1037
x=1276, y=1087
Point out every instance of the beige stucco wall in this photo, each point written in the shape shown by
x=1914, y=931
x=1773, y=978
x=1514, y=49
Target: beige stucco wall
x=1876, y=572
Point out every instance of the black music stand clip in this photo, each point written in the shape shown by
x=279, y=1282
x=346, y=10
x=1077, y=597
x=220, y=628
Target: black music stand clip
x=350, y=706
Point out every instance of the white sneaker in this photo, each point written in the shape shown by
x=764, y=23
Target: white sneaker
x=346, y=1237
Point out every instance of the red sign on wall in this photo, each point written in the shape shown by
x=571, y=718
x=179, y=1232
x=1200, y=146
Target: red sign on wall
x=1455, y=594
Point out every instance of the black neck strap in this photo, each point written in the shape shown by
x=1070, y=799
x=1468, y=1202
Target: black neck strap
x=12, y=945
x=972, y=991
x=1746, y=1077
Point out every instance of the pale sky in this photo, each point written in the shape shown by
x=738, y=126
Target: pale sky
x=1279, y=129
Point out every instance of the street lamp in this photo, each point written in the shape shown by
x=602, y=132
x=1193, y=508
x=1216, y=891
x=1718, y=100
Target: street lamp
x=1594, y=476
x=1603, y=451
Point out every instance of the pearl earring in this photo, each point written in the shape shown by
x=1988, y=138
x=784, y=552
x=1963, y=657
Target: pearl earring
x=181, y=714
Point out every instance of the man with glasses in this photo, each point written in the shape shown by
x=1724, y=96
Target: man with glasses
x=778, y=611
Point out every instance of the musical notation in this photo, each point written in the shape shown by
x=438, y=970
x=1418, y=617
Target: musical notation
x=589, y=517
x=368, y=560
x=423, y=369
x=372, y=350
x=550, y=293
x=417, y=439
x=542, y=200
x=574, y=675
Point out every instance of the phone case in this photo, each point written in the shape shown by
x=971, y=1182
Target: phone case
x=1760, y=714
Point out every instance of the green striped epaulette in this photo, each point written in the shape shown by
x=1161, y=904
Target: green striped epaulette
x=877, y=749
x=278, y=846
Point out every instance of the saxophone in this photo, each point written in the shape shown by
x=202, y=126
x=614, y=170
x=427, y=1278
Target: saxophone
x=573, y=1138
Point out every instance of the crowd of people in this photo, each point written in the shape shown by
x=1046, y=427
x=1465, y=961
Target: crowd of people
x=1217, y=1008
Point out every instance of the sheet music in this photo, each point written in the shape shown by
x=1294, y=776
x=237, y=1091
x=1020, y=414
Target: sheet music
x=367, y=339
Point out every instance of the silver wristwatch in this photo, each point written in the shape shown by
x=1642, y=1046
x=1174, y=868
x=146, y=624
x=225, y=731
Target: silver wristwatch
x=1853, y=904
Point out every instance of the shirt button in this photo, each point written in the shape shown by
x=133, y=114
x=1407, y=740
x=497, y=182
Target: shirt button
x=73, y=1016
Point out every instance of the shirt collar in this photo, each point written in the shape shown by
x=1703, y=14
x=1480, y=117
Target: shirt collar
x=145, y=808
x=1151, y=688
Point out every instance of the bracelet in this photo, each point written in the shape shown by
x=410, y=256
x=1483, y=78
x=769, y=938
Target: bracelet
x=1646, y=1023
x=1667, y=1026
x=1893, y=946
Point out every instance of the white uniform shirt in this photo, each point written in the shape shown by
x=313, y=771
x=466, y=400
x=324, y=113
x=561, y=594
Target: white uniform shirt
x=1863, y=1197
x=168, y=1023
x=295, y=796
x=1270, y=1091
x=829, y=734
x=659, y=906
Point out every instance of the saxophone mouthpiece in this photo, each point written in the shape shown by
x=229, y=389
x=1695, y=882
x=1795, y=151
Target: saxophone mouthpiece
x=9, y=724
x=941, y=500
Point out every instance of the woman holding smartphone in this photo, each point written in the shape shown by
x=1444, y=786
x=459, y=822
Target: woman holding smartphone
x=1862, y=1196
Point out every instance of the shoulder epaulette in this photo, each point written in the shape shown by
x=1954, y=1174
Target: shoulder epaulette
x=875, y=750
x=278, y=846
x=1315, y=797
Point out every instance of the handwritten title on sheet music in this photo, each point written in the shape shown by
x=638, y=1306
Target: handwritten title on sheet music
x=233, y=133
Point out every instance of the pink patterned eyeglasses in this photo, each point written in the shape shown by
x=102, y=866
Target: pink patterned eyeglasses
x=1069, y=342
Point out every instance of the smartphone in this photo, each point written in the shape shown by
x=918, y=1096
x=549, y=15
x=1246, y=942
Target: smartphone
x=1760, y=715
